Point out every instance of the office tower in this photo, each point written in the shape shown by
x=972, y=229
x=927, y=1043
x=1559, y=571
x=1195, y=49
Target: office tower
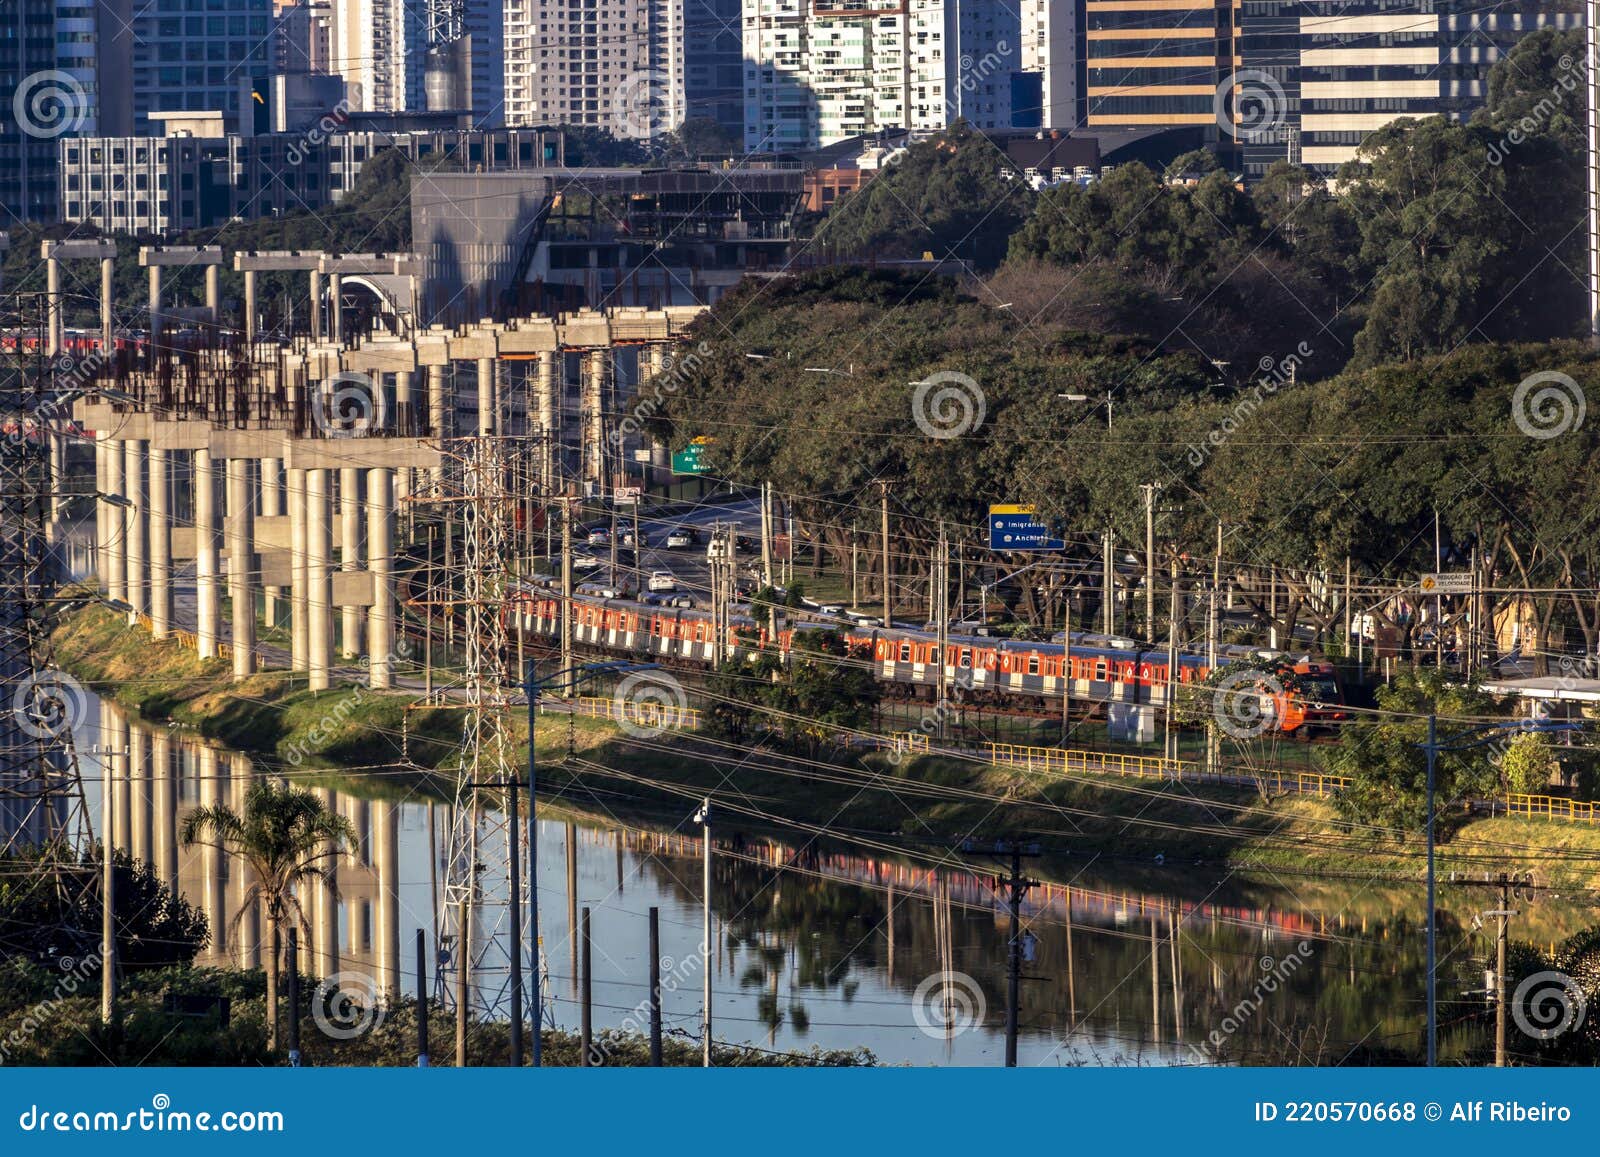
x=194, y=55
x=1327, y=73
x=1157, y=63
x=1051, y=35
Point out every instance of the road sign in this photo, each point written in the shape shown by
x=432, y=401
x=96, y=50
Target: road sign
x=1014, y=527
x=688, y=460
x=1456, y=583
x=627, y=495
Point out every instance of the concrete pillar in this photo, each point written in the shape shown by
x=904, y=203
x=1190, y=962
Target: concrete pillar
x=60, y=484
x=247, y=944
x=113, y=544
x=327, y=907
x=138, y=792
x=549, y=419
x=250, y=307
x=213, y=901
x=297, y=562
x=386, y=862
x=380, y=561
x=102, y=509
x=405, y=422
x=52, y=289
x=138, y=591
x=350, y=554
x=207, y=568
x=438, y=402
x=596, y=373
x=159, y=501
x=214, y=292
x=108, y=337
x=271, y=507
x=316, y=306
x=241, y=565
x=336, y=308
x=319, y=649
x=164, y=809
x=155, y=303
x=114, y=766
x=487, y=416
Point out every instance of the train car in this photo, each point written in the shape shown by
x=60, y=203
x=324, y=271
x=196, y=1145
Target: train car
x=1011, y=674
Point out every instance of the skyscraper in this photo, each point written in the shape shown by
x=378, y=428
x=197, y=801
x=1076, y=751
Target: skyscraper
x=816, y=74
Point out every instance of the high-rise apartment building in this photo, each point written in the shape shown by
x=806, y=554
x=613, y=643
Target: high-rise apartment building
x=612, y=64
x=48, y=89
x=713, y=63
x=302, y=36
x=1052, y=49
x=1328, y=73
x=816, y=74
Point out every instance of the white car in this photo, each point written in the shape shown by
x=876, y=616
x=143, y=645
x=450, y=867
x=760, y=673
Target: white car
x=585, y=562
x=679, y=539
x=831, y=609
x=663, y=580
x=599, y=538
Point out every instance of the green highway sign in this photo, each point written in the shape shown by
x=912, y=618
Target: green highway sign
x=688, y=460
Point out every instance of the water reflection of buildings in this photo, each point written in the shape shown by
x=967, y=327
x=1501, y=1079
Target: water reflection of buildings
x=159, y=777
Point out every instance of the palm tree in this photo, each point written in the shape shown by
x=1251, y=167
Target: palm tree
x=284, y=835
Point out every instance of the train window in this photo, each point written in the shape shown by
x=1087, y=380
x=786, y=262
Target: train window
x=1033, y=663
x=1100, y=670
x=966, y=657
x=905, y=652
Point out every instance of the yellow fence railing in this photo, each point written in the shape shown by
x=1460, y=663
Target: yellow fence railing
x=1157, y=767
x=651, y=715
x=1552, y=807
x=911, y=742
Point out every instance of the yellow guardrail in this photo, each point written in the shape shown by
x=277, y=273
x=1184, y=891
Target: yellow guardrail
x=1553, y=807
x=188, y=640
x=654, y=715
x=1156, y=767
x=912, y=742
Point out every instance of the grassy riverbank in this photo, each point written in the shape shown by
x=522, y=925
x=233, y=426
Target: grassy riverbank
x=384, y=746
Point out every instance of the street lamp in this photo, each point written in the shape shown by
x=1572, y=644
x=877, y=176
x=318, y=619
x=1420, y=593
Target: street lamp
x=532, y=687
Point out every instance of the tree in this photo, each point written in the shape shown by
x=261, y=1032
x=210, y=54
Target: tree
x=1387, y=761
x=50, y=910
x=954, y=195
x=285, y=836
x=1529, y=765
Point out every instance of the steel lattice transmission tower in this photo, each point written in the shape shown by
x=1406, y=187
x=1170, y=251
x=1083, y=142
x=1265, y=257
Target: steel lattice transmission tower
x=478, y=875
x=41, y=791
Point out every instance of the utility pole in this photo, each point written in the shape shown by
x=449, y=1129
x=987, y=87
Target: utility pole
x=1438, y=602
x=766, y=555
x=566, y=586
x=655, y=987
x=703, y=818
x=888, y=603
x=1108, y=588
x=1150, y=489
x=941, y=609
x=1510, y=888
x=422, y=1000
x=586, y=1014
x=1213, y=623
x=1170, y=746
x=1016, y=888
x=294, y=998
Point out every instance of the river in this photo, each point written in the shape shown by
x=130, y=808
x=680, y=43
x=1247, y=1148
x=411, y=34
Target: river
x=830, y=947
